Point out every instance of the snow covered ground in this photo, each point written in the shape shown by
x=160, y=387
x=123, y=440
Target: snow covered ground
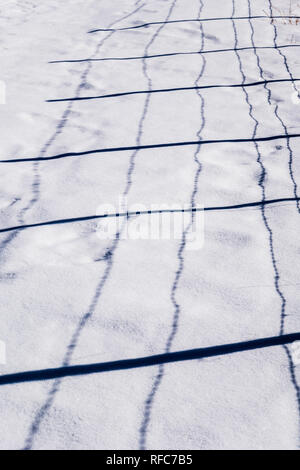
x=69, y=297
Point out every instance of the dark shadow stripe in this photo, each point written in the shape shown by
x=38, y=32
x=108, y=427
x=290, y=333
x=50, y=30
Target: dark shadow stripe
x=108, y=258
x=148, y=361
x=149, y=212
x=151, y=146
x=153, y=395
x=168, y=90
x=193, y=20
x=153, y=56
x=292, y=366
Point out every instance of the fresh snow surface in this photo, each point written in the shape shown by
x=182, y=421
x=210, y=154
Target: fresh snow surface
x=69, y=297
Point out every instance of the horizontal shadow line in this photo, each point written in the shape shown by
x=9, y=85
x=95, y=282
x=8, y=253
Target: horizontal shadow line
x=148, y=361
x=197, y=20
x=167, y=90
x=150, y=212
x=150, y=146
x=170, y=54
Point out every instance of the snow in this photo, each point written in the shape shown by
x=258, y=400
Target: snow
x=128, y=296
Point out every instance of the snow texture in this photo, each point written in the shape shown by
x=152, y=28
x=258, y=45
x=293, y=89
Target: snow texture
x=68, y=297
